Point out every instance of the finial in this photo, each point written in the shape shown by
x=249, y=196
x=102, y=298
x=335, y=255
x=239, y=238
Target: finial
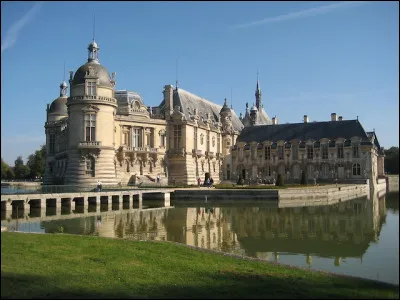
x=177, y=73
x=71, y=75
x=247, y=105
x=231, y=99
x=94, y=24
x=357, y=118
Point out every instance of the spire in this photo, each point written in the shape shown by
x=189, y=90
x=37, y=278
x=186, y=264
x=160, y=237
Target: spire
x=93, y=54
x=258, y=94
x=176, y=87
x=63, y=86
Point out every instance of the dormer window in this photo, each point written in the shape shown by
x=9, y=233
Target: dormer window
x=91, y=88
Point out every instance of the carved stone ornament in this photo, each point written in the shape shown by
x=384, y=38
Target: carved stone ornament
x=90, y=108
x=89, y=153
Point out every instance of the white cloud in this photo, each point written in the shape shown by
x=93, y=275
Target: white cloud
x=302, y=14
x=11, y=35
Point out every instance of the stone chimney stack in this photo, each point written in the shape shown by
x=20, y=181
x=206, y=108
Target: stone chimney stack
x=333, y=117
x=274, y=120
x=340, y=118
x=169, y=100
x=305, y=119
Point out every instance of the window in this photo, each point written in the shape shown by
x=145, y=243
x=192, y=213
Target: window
x=177, y=136
x=340, y=151
x=201, y=139
x=90, y=127
x=195, y=138
x=356, y=169
x=89, y=162
x=126, y=138
x=218, y=143
x=52, y=143
x=294, y=152
x=162, y=139
x=280, y=152
x=208, y=141
x=356, y=151
x=137, y=137
x=310, y=151
x=91, y=88
x=213, y=141
x=267, y=153
x=268, y=171
x=325, y=171
x=324, y=151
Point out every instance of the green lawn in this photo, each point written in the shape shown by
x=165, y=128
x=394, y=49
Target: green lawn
x=70, y=266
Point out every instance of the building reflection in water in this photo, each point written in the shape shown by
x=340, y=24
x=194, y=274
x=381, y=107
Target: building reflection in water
x=336, y=231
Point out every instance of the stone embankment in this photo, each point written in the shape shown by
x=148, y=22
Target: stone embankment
x=318, y=195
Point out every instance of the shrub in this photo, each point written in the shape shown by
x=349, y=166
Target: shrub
x=280, y=181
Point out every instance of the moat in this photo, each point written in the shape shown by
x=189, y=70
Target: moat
x=358, y=237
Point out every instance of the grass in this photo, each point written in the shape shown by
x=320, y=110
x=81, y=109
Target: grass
x=68, y=266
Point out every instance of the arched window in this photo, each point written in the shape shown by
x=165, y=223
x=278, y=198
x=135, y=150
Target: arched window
x=356, y=169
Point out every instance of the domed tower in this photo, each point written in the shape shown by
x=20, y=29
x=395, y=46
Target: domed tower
x=58, y=108
x=253, y=115
x=92, y=107
x=226, y=118
x=55, y=129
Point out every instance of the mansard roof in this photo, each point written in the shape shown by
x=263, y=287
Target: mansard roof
x=304, y=131
x=188, y=102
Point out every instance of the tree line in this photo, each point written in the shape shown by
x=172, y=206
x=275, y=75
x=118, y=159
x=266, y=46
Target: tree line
x=34, y=168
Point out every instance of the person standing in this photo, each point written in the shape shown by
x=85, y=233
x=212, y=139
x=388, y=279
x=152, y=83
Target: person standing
x=98, y=185
x=198, y=181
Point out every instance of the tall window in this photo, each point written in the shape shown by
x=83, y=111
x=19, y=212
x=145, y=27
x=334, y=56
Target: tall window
x=90, y=127
x=208, y=141
x=177, y=136
x=162, y=139
x=201, y=139
x=356, y=169
x=218, y=144
x=294, y=152
x=195, y=138
x=310, y=151
x=52, y=143
x=91, y=88
x=267, y=153
x=126, y=138
x=137, y=137
x=339, y=150
x=89, y=162
x=324, y=151
x=280, y=152
x=356, y=151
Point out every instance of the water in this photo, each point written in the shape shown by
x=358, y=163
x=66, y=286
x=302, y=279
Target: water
x=359, y=237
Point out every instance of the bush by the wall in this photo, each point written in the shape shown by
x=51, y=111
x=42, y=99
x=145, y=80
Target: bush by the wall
x=280, y=181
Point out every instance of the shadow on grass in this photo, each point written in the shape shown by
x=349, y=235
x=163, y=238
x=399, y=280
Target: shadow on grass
x=222, y=286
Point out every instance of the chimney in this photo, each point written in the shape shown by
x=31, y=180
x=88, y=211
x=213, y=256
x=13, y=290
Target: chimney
x=305, y=119
x=333, y=117
x=340, y=118
x=274, y=120
x=169, y=100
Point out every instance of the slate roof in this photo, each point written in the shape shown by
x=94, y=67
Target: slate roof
x=188, y=102
x=304, y=131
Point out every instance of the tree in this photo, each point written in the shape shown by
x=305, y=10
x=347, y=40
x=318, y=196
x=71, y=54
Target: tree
x=4, y=169
x=20, y=170
x=36, y=163
x=392, y=160
x=280, y=181
x=303, y=178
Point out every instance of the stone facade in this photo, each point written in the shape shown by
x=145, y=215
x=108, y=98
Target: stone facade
x=99, y=133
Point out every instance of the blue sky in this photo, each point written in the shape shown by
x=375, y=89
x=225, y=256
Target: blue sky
x=313, y=58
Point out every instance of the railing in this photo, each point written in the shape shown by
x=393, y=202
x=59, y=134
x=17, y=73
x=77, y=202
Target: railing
x=89, y=144
x=197, y=152
x=140, y=149
x=209, y=154
x=87, y=97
